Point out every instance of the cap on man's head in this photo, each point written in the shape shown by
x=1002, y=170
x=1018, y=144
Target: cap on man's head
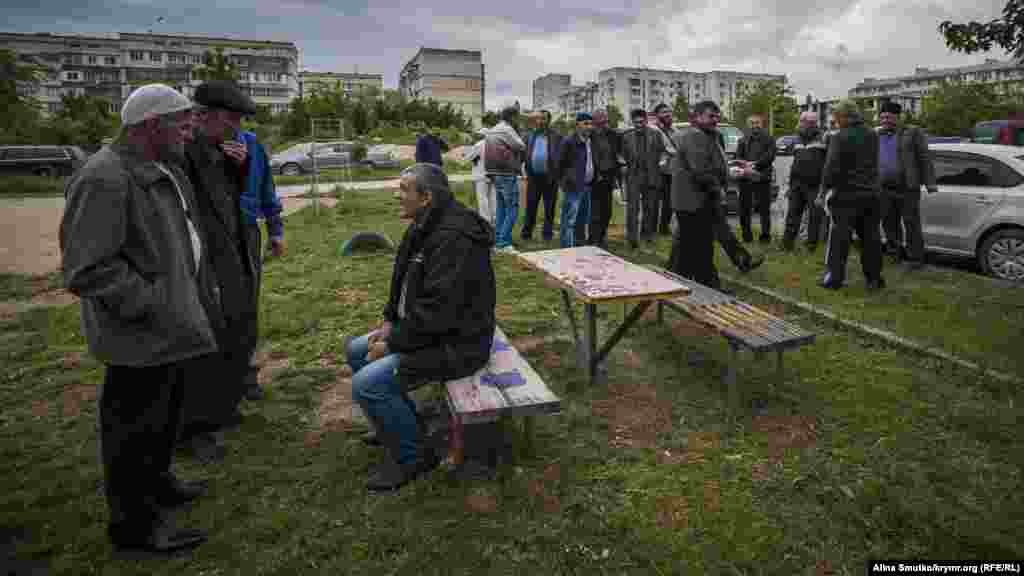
x=151, y=101
x=226, y=95
x=891, y=107
x=846, y=107
x=584, y=117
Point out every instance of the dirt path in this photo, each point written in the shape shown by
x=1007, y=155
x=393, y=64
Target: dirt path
x=28, y=235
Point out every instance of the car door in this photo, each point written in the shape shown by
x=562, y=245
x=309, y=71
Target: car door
x=969, y=192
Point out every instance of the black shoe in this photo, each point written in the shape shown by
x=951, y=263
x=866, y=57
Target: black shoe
x=391, y=475
x=254, y=393
x=174, y=492
x=766, y=239
x=207, y=448
x=876, y=285
x=160, y=540
x=753, y=263
x=526, y=238
x=830, y=285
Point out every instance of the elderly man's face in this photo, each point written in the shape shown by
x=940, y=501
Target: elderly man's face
x=410, y=201
x=665, y=116
x=584, y=127
x=756, y=123
x=840, y=120
x=808, y=121
x=888, y=120
x=708, y=119
x=217, y=124
x=600, y=119
x=170, y=133
x=639, y=121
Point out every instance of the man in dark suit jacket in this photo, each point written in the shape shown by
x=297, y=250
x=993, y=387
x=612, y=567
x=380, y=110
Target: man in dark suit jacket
x=640, y=148
x=699, y=175
x=542, y=148
x=904, y=165
x=758, y=149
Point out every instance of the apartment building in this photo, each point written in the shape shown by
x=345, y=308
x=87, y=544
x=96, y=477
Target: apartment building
x=453, y=77
x=350, y=83
x=547, y=89
x=578, y=99
x=110, y=66
x=908, y=90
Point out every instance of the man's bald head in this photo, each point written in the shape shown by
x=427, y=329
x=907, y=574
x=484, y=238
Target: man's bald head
x=808, y=120
x=600, y=119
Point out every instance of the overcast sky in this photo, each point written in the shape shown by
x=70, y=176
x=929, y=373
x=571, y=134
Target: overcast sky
x=823, y=46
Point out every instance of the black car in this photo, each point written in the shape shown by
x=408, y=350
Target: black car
x=48, y=161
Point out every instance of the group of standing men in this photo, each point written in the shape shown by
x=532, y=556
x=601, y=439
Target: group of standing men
x=160, y=241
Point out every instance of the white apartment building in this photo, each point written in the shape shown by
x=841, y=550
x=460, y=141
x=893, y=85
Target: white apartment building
x=908, y=90
x=547, y=89
x=577, y=99
x=350, y=83
x=453, y=77
x=110, y=66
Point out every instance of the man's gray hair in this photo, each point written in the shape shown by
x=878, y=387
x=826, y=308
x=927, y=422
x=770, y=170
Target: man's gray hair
x=428, y=177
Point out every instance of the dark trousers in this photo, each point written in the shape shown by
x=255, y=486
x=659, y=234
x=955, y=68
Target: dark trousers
x=725, y=236
x=761, y=194
x=600, y=210
x=633, y=196
x=537, y=188
x=140, y=412
x=650, y=200
x=693, y=246
x=861, y=215
x=905, y=205
x=663, y=208
x=802, y=198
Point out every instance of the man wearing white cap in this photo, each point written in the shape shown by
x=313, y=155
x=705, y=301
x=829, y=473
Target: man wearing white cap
x=132, y=253
x=485, y=200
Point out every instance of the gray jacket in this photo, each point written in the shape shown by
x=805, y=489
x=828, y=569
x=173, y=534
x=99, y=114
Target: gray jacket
x=699, y=172
x=128, y=254
x=642, y=150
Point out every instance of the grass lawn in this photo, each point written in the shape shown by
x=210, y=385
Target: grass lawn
x=861, y=451
x=22, y=186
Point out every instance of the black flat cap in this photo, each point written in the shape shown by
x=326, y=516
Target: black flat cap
x=891, y=107
x=224, y=94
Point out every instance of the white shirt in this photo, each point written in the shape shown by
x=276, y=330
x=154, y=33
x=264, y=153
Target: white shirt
x=197, y=245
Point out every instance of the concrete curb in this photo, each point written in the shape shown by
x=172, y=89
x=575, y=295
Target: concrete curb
x=876, y=332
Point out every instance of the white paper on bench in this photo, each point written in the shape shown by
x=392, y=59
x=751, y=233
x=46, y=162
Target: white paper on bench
x=507, y=383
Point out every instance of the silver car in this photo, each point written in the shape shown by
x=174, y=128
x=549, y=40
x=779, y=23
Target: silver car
x=299, y=159
x=978, y=211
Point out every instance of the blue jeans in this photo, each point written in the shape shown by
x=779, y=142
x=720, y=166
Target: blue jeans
x=507, y=194
x=375, y=388
x=575, y=208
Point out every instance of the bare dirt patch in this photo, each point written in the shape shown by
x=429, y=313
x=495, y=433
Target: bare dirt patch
x=631, y=359
x=527, y=344
x=351, y=297
x=29, y=241
x=636, y=418
x=40, y=408
x=273, y=364
x=58, y=297
x=481, y=502
x=785, y=433
x=552, y=360
x=337, y=412
x=73, y=398
x=673, y=512
x=545, y=488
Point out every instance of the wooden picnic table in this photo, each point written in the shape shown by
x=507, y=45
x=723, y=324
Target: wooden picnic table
x=596, y=276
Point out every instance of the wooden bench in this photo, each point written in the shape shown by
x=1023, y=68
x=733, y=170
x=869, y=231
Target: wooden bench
x=506, y=386
x=742, y=325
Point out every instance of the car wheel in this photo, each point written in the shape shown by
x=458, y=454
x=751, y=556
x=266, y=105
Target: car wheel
x=1002, y=255
x=291, y=170
x=45, y=171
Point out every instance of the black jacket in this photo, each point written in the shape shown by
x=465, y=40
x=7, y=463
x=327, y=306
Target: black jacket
x=641, y=149
x=444, y=266
x=607, y=147
x=699, y=169
x=554, y=147
x=761, y=151
x=808, y=162
x=851, y=167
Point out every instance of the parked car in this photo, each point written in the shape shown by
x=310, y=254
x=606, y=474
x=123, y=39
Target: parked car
x=944, y=140
x=299, y=159
x=47, y=161
x=731, y=134
x=978, y=211
x=382, y=156
x=1008, y=132
x=785, y=145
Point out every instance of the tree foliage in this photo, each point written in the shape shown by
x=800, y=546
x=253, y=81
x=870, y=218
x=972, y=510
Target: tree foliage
x=1006, y=32
x=772, y=99
x=216, y=66
x=20, y=119
x=614, y=115
x=681, y=108
x=953, y=108
x=82, y=121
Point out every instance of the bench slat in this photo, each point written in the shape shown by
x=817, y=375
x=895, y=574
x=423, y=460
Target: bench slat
x=508, y=385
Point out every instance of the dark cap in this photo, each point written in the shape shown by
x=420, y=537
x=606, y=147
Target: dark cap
x=891, y=107
x=226, y=95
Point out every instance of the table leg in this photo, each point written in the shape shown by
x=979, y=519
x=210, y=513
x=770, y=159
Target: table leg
x=572, y=316
x=589, y=355
x=778, y=365
x=730, y=377
x=661, y=312
x=456, y=444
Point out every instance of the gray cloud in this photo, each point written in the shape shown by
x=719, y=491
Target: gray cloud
x=823, y=46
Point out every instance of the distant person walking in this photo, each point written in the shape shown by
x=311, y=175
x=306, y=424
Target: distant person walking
x=430, y=147
x=662, y=215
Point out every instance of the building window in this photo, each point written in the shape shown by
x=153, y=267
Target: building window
x=92, y=59
x=136, y=55
x=156, y=57
x=111, y=61
x=73, y=76
x=197, y=59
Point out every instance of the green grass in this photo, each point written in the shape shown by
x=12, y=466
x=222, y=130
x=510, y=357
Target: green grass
x=21, y=186
x=861, y=451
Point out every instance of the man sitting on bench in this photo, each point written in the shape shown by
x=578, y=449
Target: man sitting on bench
x=438, y=322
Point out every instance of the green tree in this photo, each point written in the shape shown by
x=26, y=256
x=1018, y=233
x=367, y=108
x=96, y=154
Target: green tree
x=772, y=99
x=264, y=115
x=1006, y=32
x=20, y=120
x=216, y=66
x=83, y=121
x=681, y=108
x=614, y=115
x=490, y=118
x=953, y=108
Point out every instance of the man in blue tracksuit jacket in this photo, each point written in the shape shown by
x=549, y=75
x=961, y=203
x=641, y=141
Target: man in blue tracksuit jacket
x=259, y=200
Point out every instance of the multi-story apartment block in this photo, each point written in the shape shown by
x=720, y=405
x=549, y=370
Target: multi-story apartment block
x=547, y=89
x=453, y=77
x=908, y=90
x=350, y=83
x=578, y=99
x=111, y=66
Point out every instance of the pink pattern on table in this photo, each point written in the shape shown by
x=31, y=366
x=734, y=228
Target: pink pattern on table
x=597, y=274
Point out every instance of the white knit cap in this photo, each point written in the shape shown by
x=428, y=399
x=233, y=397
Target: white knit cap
x=150, y=101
